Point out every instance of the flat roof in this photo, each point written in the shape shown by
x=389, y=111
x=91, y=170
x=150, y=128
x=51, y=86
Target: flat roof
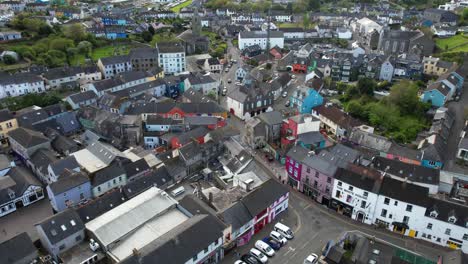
x=129, y=216
x=147, y=233
x=88, y=160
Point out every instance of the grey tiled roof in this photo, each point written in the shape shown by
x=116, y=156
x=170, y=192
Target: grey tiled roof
x=27, y=138
x=53, y=229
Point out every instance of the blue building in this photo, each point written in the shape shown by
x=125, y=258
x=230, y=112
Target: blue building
x=305, y=98
x=436, y=94
x=114, y=21
x=69, y=190
x=174, y=86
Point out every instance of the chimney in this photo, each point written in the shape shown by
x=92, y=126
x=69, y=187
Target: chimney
x=210, y=197
x=135, y=252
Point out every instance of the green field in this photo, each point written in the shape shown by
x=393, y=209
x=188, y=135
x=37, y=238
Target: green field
x=455, y=43
x=178, y=7
x=102, y=52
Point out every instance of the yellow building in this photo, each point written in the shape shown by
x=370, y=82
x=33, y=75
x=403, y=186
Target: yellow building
x=436, y=66
x=7, y=123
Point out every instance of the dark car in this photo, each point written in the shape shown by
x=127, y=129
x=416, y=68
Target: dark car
x=272, y=243
x=249, y=259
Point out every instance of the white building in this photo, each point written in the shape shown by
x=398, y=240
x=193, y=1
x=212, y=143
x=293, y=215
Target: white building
x=20, y=84
x=171, y=57
x=355, y=195
x=111, y=66
x=250, y=38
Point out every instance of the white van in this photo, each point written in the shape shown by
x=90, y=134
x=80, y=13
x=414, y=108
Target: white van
x=178, y=191
x=278, y=237
x=264, y=248
x=284, y=230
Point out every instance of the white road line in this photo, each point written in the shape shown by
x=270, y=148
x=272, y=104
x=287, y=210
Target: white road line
x=307, y=207
x=306, y=243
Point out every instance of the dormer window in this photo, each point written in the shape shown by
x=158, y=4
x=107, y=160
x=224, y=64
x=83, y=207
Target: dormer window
x=434, y=214
x=452, y=219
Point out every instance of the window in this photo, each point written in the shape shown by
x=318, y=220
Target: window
x=406, y=219
x=308, y=170
x=448, y=231
x=429, y=226
x=340, y=183
x=338, y=194
x=387, y=201
x=395, y=203
x=383, y=213
x=349, y=198
x=328, y=180
x=62, y=247
x=99, y=188
x=366, y=194
x=465, y=237
x=350, y=188
x=409, y=208
x=363, y=204
x=78, y=238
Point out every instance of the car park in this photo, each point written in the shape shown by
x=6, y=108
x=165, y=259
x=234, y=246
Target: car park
x=272, y=243
x=258, y=255
x=278, y=237
x=283, y=230
x=249, y=259
x=264, y=248
x=311, y=259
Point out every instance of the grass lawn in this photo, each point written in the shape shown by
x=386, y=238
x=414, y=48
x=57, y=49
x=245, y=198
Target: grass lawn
x=108, y=51
x=178, y=7
x=453, y=43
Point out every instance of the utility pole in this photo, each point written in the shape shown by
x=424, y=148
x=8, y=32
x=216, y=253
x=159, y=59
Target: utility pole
x=268, y=30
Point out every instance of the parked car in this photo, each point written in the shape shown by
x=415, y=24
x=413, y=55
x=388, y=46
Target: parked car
x=278, y=237
x=284, y=94
x=229, y=81
x=287, y=104
x=239, y=262
x=226, y=70
x=224, y=92
x=311, y=259
x=258, y=255
x=264, y=248
x=272, y=243
x=283, y=230
x=249, y=259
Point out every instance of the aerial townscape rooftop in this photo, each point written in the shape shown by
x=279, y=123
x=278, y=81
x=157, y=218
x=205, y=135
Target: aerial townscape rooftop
x=241, y=132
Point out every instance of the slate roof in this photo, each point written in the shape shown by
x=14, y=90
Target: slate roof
x=82, y=97
x=192, y=134
x=412, y=172
x=163, y=107
x=195, y=96
x=237, y=215
x=405, y=192
x=61, y=72
x=370, y=140
x=27, y=138
x=181, y=243
x=68, y=122
x=446, y=209
x=16, y=249
x=67, y=163
x=170, y=47
x=62, y=144
x=195, y=206
x=143, y=53
x=17, y=180
x=115, y=60
x=311, y=137
x=337, y=116
x=340, y=155
x=359, y=180
x=100, y=205
x=53, y=229
x=114, y=170
x=42, y=158
x=298, y=153
x=439, y=86
x=5, y=115
x=68, y=182
x=271, y=118
x=134, y=168
x=264, y=196
x=321, y=165
x=31, y=117
x=19, y=78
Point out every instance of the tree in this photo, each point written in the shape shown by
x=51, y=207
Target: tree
x=75, y=32
x=366, y=86
x=61, y=44
x=151, y=30
x=8, y=59
x=146, y=35
x=313, y=5
x=85, y=47
x=306, y=21
x=404, y=94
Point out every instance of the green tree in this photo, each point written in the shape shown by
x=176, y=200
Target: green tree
x=404, y=94
x=146, y=35
x=151, y=30
x=85, y=47
x=61, y=44
x=75, y=32
x=366, y=86
x=8, y=59
x=306, y=21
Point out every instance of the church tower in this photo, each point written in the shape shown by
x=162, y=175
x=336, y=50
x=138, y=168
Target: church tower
x=196, y=23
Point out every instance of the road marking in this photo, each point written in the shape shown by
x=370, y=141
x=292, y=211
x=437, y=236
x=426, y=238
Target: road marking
x=290, y=249
x=307, y=207
x=306, y=243
x=299, y=221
